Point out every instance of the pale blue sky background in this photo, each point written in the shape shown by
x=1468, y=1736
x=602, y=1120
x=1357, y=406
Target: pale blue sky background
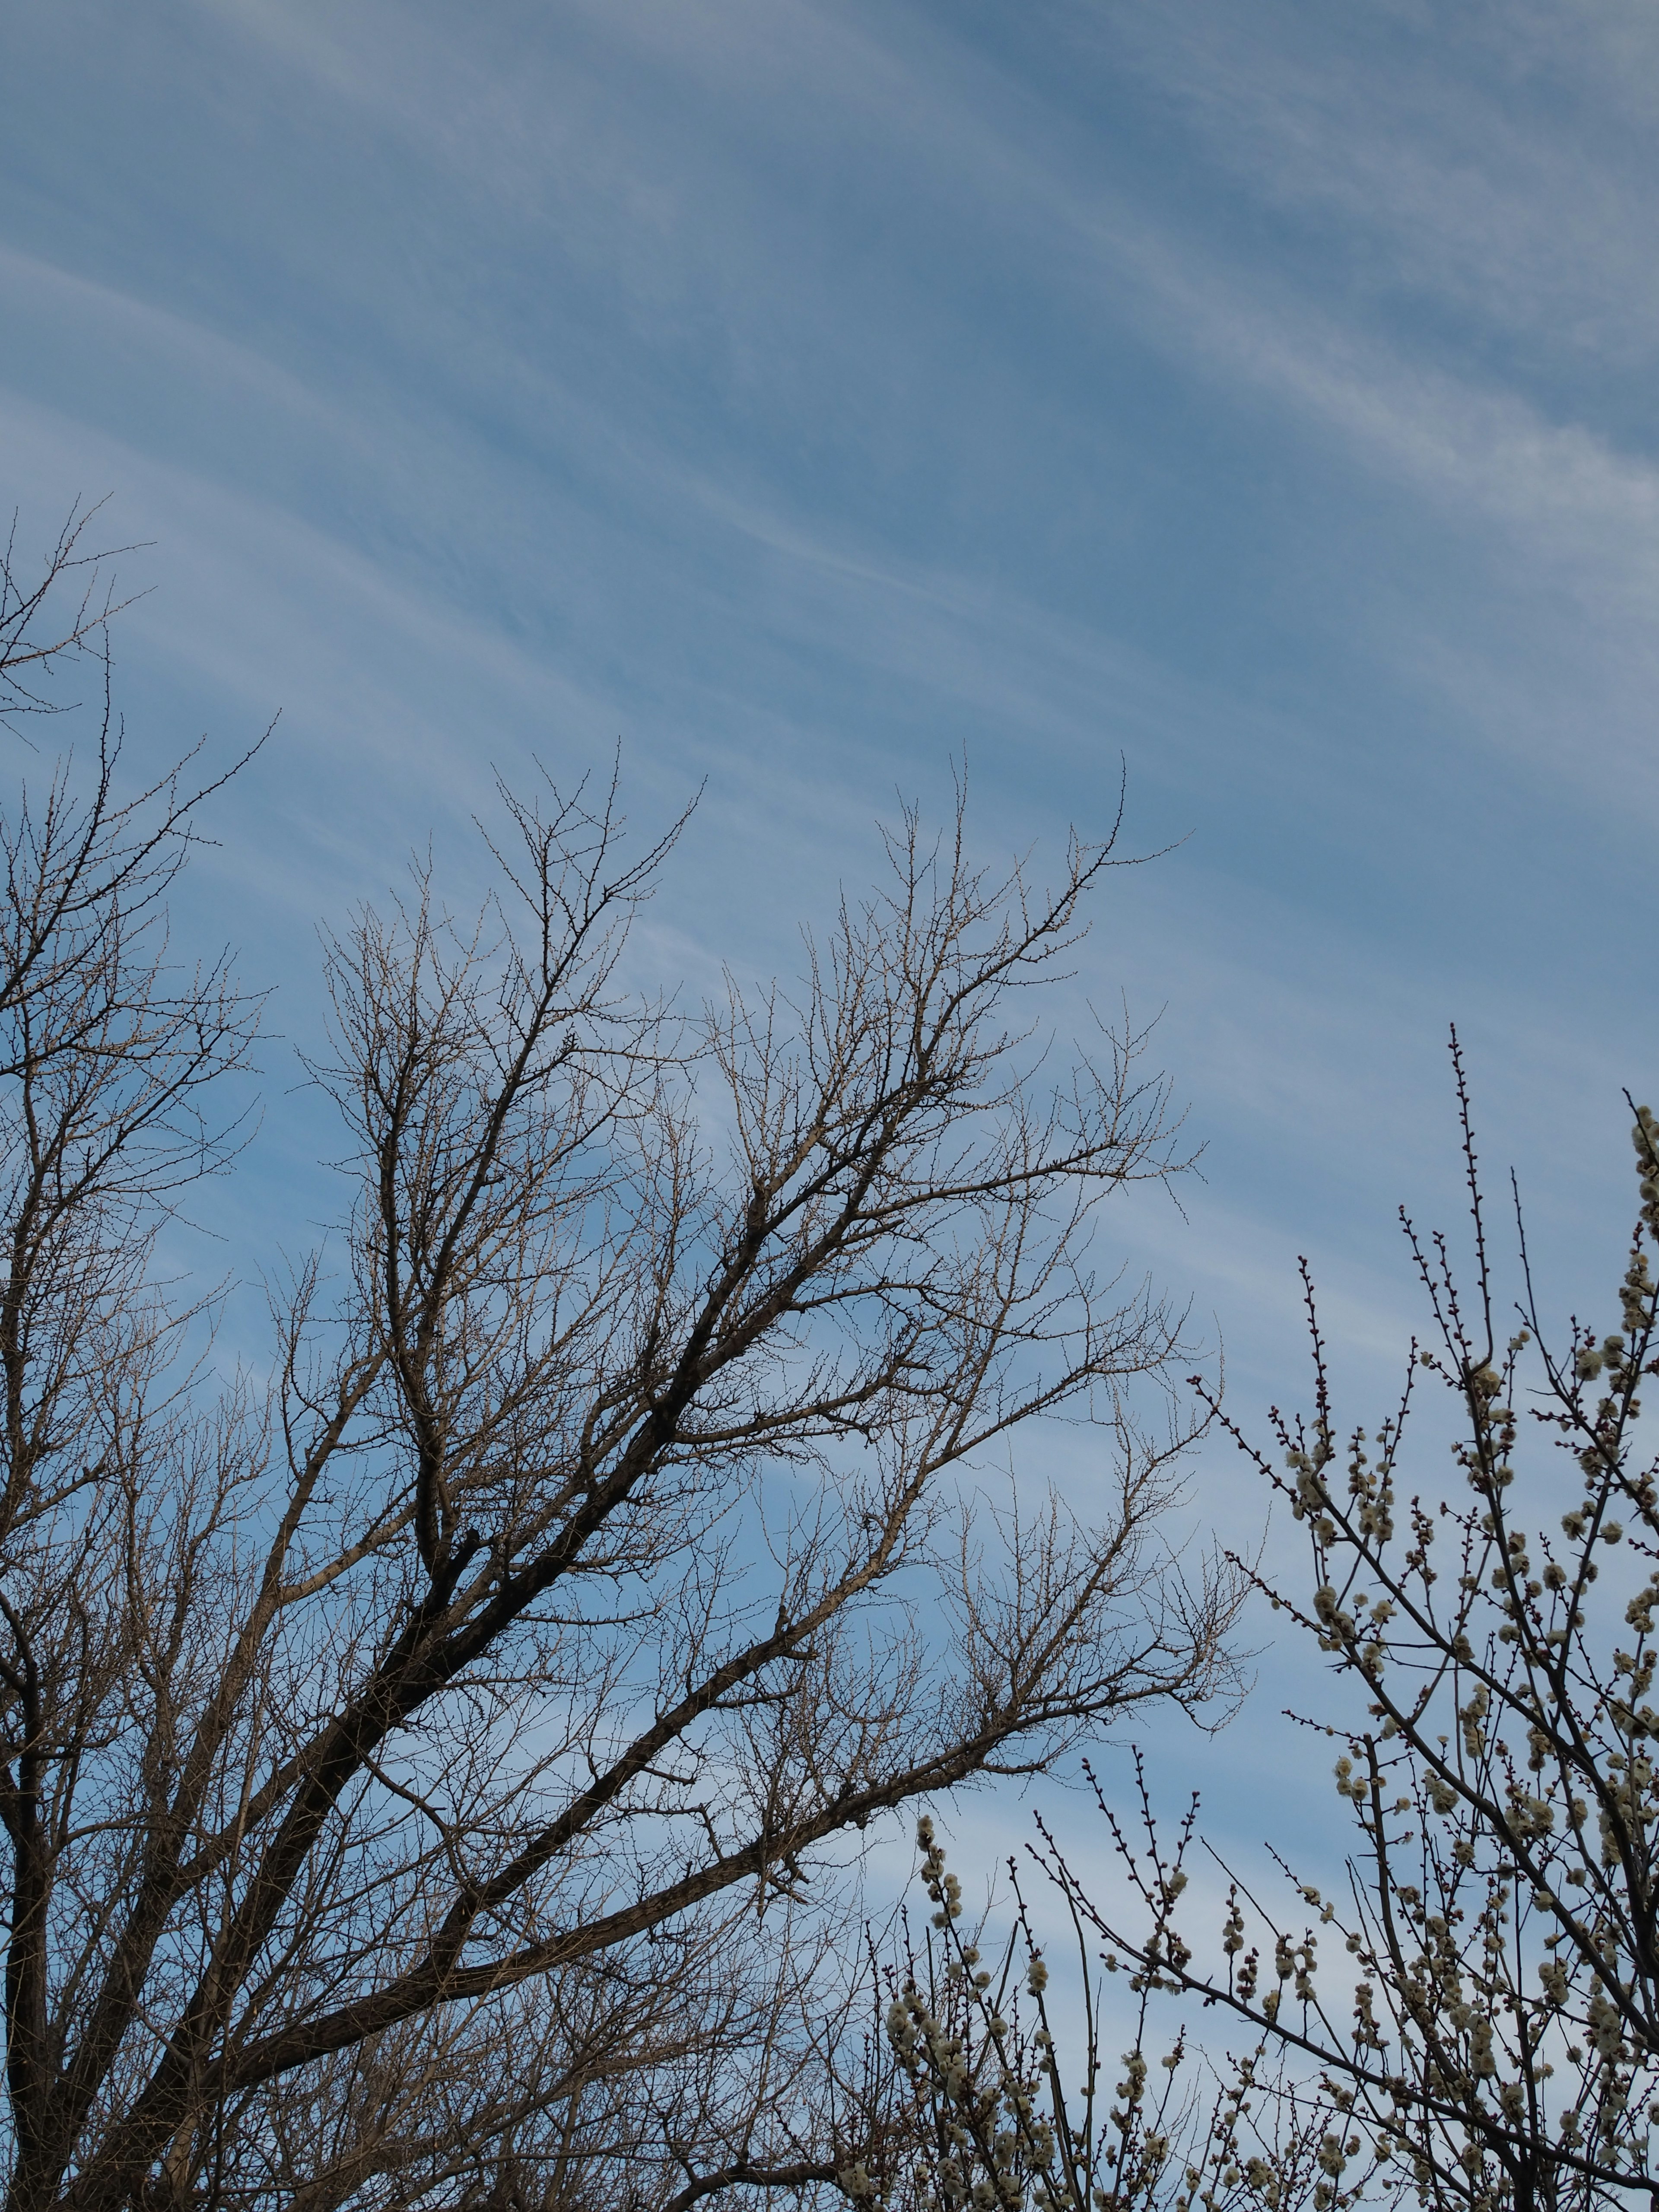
x=803, y=393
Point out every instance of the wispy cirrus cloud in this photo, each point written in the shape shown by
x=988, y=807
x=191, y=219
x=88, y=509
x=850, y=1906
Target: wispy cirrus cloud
x=809, y=392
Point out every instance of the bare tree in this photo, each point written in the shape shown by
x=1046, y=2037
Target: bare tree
x=416, y=1764
x=54, y=616
x=1470, y=2008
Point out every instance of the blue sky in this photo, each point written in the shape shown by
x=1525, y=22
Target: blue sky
x=805, y=394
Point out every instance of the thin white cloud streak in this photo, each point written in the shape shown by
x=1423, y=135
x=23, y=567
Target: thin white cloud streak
x=1422, y=149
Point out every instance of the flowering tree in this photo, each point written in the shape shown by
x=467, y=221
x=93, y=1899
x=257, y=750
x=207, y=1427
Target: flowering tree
x=981, y=2119
x=1468, y=2016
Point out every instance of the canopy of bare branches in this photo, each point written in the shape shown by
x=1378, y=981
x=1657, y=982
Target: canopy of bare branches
x=416, y=1758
